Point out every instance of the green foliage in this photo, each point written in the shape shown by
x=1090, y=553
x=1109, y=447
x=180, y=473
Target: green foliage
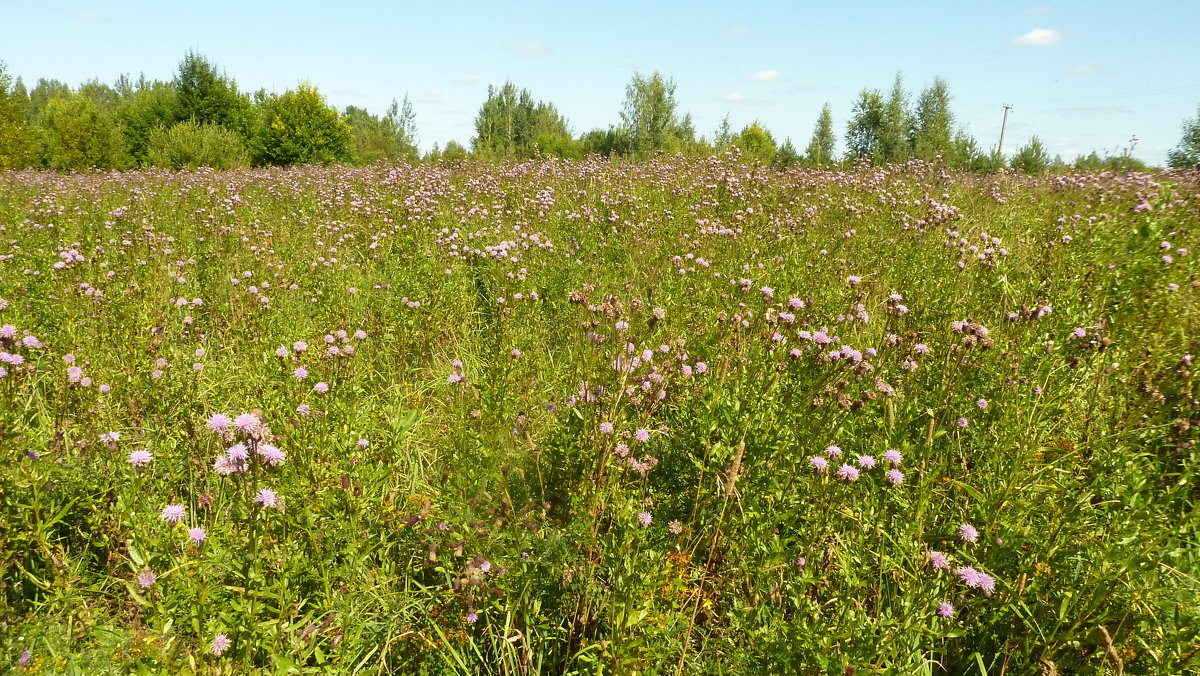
x=787, y=156
x=723, y=136
x=14, y=136
x=142, y=110
x=206, y=96
x=298, y=127
x=73, y=132
x=42, y=93
x=1032, y=158
x=756, y=143
x=189, y=145
x=864, y=130
x=820, y=152
x=934, y=130
x=390, y=138
x=454, y=152
x=650, y=121
x=510, y=124
x=895, y=126
x=1186, y=155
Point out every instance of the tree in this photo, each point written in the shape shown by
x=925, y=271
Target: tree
x=1032, y=158
x=188, y=145
x=75, y=133
x=511, y=124
x=210, y=98
x=933, y=134
x=787, y=156
x=820, y=148
x=298, y=127
x=896, y=124
x=756, y=143
x=1186, y=155
x=143, y=108
x=649, y=120
x=391, y=138
x=863, y=131
x=723, y=136
x=42, y=93
x=13, y=133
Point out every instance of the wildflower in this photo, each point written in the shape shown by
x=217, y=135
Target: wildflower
x=963, y=422
x=701, y=368
x=454, y=378
x=246, y=422
x=219, y=645
x=642, y=435
x=892, y=457
x=24, y=660
x=818, y=463
x=967, y=533
x=945, y=609
x=74, y=374
x=302, y=409
x=644, y=518
x=300, y=373
x=110, y=437
x=271, y=454
x=237, y=453
x=472, y=617
x=219, y=422
x=675, y=527
x=866, y=461
x=363, y=443
x=939, y=561
x=853, y=280
x=267, y=498
x=140, y=459
x=360, y=334
x=982, y=404
x=321, y=387
x=282, y=352
x=146, y=578
x=1079, y=332
x=299, y=346
x=197, y=536
x=173, y=514
x=606, y=428
x=847, y=473
x=894, y=477
x=833, y=451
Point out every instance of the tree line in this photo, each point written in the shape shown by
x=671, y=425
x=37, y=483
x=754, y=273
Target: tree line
x=201, y=118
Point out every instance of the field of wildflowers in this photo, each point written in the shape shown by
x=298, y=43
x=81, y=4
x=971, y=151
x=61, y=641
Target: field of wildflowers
x=678, y=417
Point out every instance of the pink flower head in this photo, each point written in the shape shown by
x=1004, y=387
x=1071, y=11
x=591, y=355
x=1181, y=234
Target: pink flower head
x=939, y=561
x=644, y=518
x=173, y=514
x=267, y=498
x=833, y=451
x=892, y=457
x=866, y=461
x=642, y=435
x=847, y=473
x=894, y=477
x=321, y=387
x=140, y=459
x=197, y=536
x=146, y=578
x=945, y=610
x=219, y=645
x=246, y=423
x=271, y=454
x=818, y=463
x=967, y=533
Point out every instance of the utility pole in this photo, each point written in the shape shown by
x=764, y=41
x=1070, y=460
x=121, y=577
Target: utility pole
x=1000, y=148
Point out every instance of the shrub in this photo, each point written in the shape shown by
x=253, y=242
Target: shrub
x=189, y=145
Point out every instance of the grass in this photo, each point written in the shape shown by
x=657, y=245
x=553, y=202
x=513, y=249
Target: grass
x=571, y=420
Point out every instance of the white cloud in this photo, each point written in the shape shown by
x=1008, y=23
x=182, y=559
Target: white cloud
x=468, y=79
x=1086, y=69
x=766, y=76
x=1039, y=37
x=733, y=97
x=529, y=48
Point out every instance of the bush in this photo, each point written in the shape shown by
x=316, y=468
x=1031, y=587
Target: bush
x=189, y=145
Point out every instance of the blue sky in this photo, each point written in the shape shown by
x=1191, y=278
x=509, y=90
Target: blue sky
x=1082, y=75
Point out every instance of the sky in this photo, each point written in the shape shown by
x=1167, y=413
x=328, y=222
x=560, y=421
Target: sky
x=1082, y=76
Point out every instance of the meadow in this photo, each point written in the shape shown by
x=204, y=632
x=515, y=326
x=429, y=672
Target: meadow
x=671, y=417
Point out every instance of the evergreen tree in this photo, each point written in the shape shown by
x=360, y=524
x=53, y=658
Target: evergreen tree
x=787, y=156
x=208, y=97
x=1032, y=158
x=821, y=147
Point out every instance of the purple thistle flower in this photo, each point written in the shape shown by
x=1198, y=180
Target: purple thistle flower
x=963, y=422
x=271, y=454
x=472, y=617
x=246, y=423
x=197, y=535
x=818, y=463
x=945, y=610
x=219, y=645
x=847, y=473
x=982, y=404
x=146, y=578
x=267, y=498
x=606, y=428
x=219, y=422
x=892, y=457
x=300, y=373
x=321, y=387
x=173, y=514
x=644, y=518
x=866, y=461
x=967, y=533
x=894, y=477
x=140, y=459
x=24, y=659
x=833, y=451
x=939, y=561
x=642, y=435
x=237, y=453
